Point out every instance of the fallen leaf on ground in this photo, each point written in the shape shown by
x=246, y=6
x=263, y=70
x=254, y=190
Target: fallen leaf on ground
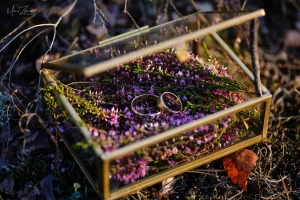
x=238, y=166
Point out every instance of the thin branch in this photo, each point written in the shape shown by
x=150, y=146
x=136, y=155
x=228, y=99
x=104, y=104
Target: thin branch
x=103, y=23
x=285, y=189
x=198, y=172
x=244, y=4
x=73, y=44
x=67, y=12
x=98, y=12
x=12, y=65
x=54, y=36
x=132, y=19
x=17, y=28
x=174, y=7
x=274, y=196
x=276, y=181
x=166, y=9
x=236, y=195
x=193, y=2
x=42, y=25
x=254, y=55
x=33, y=27
x=102, y=14
x=95, y=11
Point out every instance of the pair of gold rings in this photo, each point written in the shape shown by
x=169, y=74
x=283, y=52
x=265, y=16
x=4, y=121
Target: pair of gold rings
x=167, y=102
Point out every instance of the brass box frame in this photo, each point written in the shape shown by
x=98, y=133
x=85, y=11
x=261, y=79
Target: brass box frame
x=102, y=188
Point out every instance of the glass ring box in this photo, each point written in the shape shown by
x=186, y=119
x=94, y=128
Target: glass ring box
x=156, y=102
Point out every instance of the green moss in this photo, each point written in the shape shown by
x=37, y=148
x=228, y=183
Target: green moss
x=82, y=106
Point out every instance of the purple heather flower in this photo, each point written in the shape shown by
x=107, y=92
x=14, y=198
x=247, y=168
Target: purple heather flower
x=114, y=119
x=172, y=163
x=174, y=150
x=126, y=74
x=63, y=170
x=184, y=98
x=151, y=91
x=123, y=126
x=182, y=82
x=129, y=97
x=206, y=128
x=51, y=129
x=61, y=128
x=112, y=132
x=213, y=110
x=201, y=129
x=179, y=73
x=187, y=149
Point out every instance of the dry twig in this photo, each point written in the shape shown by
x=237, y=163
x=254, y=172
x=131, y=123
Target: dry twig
x=126, y=11
x=285, y=189
x=98, y=12
x=254, y=55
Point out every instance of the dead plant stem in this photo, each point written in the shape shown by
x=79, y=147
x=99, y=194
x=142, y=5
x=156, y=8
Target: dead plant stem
x=254, y=55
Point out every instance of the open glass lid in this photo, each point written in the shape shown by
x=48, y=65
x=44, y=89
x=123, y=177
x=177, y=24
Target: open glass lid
x=178, y=34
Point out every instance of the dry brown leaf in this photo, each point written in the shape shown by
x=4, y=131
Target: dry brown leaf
x=238, y=166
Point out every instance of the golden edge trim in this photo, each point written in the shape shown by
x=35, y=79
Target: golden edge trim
x=110, y=64
x=183, y=168
x=125, y=35
x=236, y=59
x=72, y=113
x=104, y=185
x=266, y=117
x=109, y=41
x=54, y=64
x=181, y=129
x=50, y=81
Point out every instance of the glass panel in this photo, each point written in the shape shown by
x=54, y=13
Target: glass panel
x=105, y=102
x=145, y=38
x=220, y=56
x=185, y=148
x=203, y=85
x=70, y=134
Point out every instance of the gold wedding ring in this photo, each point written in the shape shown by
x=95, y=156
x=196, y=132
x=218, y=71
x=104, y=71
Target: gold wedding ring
x=167, y=102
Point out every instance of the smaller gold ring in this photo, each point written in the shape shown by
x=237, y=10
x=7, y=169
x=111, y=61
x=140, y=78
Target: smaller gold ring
x=174, y=99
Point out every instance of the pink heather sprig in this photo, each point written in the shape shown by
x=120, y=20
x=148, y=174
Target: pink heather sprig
x=128, y=171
